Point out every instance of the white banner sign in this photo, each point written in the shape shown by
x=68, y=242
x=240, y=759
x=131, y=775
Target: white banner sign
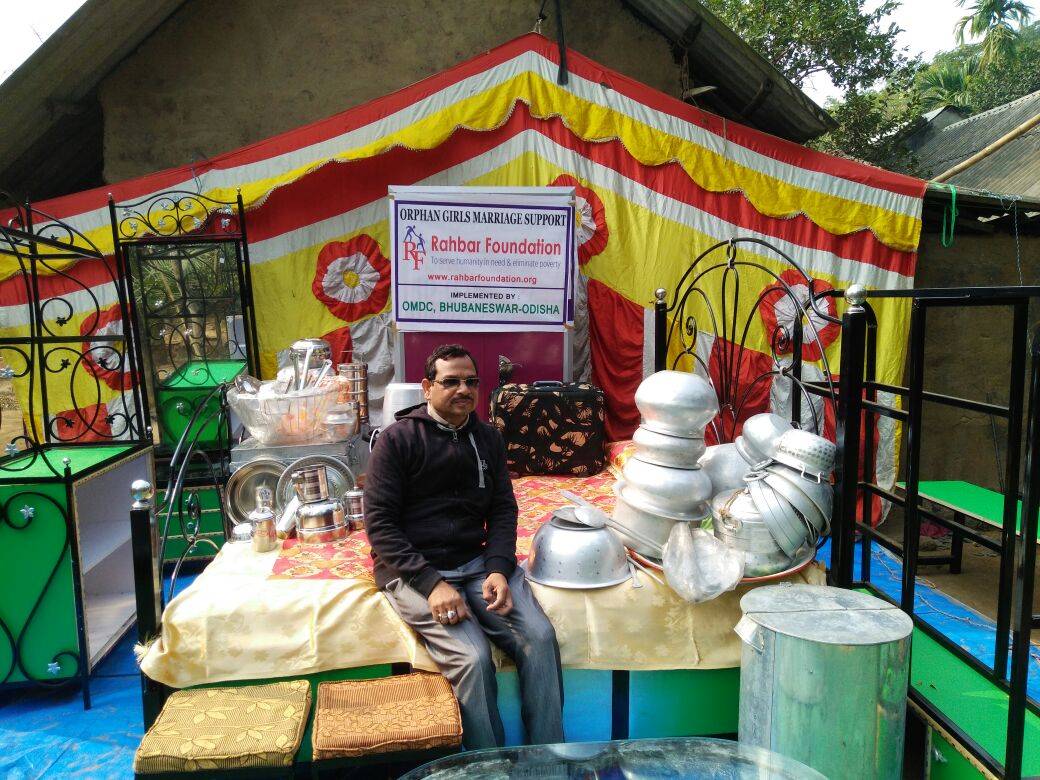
x=472, y=259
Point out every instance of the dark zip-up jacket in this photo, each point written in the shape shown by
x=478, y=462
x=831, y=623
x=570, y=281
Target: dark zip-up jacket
x=431, y=503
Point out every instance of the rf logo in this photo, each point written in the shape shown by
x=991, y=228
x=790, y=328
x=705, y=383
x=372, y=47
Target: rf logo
x=414, y=248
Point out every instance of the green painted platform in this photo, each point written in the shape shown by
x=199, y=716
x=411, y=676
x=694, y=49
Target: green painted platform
x=977, y=706
x=82, y=459
x=978, y=502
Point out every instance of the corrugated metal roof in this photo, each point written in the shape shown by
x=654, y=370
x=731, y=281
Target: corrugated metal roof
x=1012, y=170
x=51, y=131
x=50, y=134
x=748, y=87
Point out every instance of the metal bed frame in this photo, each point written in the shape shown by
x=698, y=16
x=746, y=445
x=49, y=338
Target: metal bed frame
x=681, y=317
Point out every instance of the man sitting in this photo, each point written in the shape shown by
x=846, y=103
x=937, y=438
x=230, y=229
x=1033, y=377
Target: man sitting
x=441, y=518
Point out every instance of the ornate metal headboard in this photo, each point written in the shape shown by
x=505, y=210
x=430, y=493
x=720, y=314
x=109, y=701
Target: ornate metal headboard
x=719, y=319
x=77, y=341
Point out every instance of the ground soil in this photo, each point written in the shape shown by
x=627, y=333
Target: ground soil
x=976, y=585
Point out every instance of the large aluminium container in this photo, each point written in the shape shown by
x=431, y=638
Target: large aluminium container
x=823, y=678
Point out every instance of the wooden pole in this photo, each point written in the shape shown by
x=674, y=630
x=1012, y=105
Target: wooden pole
x=1005, y=139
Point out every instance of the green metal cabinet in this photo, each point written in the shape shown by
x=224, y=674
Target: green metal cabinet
x=179, y=396
x=65, y=559
x=210, y=527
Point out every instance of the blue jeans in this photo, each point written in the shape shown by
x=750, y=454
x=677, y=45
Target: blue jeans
x=463, y=654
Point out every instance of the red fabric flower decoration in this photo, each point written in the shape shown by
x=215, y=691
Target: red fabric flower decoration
x=780, y=307
x=591, y=230
x=352, y=278
x=101, y=358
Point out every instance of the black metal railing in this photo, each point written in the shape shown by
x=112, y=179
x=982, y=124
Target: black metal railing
x=858, y=409
x=154, y=523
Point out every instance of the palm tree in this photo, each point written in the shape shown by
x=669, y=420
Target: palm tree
x=947, y=85
x=992, y=21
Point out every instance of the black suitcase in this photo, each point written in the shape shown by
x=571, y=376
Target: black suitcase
x=551, y=427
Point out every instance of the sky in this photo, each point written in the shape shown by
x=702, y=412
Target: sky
x=927, y=28
x=26, y=25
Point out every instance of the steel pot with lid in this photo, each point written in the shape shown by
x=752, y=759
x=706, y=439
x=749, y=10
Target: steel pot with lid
x=320, y=518
x=677, y=403
x=737, y=523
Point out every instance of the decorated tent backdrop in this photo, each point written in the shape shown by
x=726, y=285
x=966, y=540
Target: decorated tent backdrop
x=658, y=181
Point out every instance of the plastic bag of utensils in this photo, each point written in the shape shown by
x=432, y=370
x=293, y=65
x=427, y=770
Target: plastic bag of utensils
x=698, y=566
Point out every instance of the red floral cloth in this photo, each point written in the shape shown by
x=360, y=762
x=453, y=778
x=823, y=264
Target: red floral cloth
x=536, y=498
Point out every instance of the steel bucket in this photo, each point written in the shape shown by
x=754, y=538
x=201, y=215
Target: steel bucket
x=823, y=678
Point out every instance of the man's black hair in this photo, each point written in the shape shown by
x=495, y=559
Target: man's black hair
x=446, y=352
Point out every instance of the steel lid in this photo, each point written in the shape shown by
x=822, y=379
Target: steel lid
x=819, y=613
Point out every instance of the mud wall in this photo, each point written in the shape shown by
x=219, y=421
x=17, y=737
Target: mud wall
x=216, y=76
x=967, y=353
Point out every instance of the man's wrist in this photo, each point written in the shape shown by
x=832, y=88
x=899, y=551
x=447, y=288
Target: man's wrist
x=499, y=564
x=425, y=581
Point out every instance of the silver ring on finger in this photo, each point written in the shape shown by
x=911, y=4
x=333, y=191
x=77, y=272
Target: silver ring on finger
x=452, y=614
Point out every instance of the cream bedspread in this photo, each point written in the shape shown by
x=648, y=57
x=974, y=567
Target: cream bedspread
x=234, y=623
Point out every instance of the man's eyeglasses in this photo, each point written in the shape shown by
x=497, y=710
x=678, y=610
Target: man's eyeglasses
x=453, y=382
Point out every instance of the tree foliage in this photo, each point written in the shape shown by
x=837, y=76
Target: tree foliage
x=841, y=38
x=947, y=85
x=871, y=122
x=994, y=21
x=885, y=93
x=1009, y=78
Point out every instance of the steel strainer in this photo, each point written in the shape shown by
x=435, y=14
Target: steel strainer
x=566, y=553
x=807, y=452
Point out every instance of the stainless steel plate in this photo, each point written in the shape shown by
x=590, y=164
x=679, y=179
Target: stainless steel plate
x=341, y=478
x=241, y=487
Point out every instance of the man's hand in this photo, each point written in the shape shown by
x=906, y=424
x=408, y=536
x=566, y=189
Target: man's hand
x=446, y=605
x=497, y=595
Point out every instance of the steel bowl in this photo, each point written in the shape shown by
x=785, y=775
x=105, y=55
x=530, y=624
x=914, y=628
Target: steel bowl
x=630, y=511
x=810, y=513
x=789, y=530
x=664, y=449
x=668, y=489
x=819, y=491
x=737, y=523
x=807, y=452
x=724, y=466
x=567, y=554
x=759, y=435
x=323, y=534
x=677, y=403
